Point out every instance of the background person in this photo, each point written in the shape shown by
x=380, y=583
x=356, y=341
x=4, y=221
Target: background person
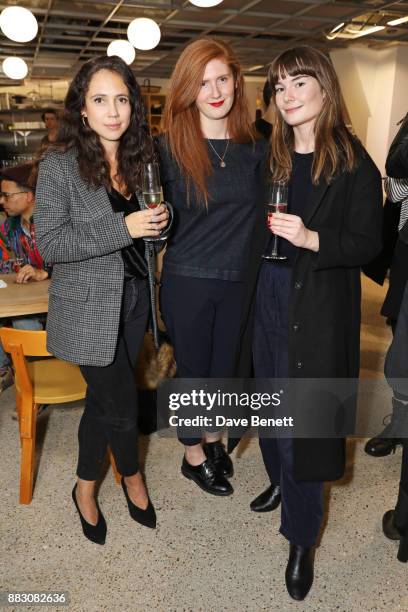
x=261, y=125
x=212, y=173
x=304, y=320
x=397, y=193
x=18, y=249
x=51, y=120
x=395, y=522
x=89, y=223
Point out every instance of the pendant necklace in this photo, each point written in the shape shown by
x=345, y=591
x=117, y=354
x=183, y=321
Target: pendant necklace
x=222, y=162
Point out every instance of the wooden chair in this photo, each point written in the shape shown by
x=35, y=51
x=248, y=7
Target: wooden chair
x=38, y=382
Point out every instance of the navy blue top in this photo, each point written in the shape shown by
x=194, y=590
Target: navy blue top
x=214, y=242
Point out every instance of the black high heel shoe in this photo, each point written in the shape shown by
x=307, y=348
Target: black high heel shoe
x=94, y=533
x=145, y=517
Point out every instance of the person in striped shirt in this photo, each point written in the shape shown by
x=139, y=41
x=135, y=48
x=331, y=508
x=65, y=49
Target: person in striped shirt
x=18, y=249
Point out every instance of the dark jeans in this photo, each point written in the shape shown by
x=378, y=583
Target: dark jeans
x=203, y=319
x=110, y=415
x=302, y=502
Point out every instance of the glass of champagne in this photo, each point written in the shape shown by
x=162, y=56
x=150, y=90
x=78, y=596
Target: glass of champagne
x=151, y=185
x=277, y=203
x=151, y=189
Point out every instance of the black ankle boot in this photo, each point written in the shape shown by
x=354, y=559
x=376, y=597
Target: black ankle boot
x=380, y=447
x=95, y=533
x=268, y=500
x=299, y=571
x=216, y=452
x=389, y=529
x=387, y=441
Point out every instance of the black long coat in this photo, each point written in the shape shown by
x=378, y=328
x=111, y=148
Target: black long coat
x=324, y=303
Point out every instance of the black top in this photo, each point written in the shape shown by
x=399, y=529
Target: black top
x=300, y=190
x=214, y=242
x=133, y=255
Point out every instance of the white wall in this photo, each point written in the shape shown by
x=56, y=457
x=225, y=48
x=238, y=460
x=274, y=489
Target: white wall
x=399, y=106
x=375, y=87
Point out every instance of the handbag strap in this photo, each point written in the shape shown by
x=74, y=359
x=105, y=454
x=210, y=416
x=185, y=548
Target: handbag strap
x=150, y=255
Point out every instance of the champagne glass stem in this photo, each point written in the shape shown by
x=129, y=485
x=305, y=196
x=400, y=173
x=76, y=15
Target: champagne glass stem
x=275, y=246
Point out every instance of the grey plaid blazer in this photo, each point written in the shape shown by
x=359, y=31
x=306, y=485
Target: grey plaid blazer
x=78, y=232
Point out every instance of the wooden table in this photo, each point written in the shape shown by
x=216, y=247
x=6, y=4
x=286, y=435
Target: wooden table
x=25, y=299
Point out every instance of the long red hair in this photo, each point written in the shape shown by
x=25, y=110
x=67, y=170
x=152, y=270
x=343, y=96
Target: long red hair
x=181, y=122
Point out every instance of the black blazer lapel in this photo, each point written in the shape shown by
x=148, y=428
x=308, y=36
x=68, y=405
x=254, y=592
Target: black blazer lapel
x=318, y=193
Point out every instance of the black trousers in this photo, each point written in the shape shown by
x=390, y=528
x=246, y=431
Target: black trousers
x=302, y=502
x=110, y=415
x=203, y=319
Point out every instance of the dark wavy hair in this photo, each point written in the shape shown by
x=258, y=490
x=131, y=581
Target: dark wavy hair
x=135, y=145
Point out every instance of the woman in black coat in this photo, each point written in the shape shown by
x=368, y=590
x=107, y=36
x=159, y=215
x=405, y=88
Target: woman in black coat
x=303, y=315
x=395, y=522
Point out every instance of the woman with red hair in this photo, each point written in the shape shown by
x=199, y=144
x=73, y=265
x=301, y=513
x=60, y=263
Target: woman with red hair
x=212, y=172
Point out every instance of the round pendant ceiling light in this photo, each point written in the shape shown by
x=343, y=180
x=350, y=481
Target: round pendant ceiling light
x=123, y=49
x=205, y=3
x=144, y=33
x=15, y=68
x=18, y=24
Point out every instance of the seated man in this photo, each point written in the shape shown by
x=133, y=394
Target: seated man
x=18, y=251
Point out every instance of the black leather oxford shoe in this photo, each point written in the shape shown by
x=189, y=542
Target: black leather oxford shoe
x=216, y=452
x=206, y=477
x=299, y=571
x=268, y=500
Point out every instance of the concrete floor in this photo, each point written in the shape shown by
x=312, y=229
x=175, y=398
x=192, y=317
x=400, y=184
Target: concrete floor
x=208, y=553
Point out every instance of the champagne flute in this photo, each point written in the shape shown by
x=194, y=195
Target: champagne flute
x=151, y=187
x=277, y=203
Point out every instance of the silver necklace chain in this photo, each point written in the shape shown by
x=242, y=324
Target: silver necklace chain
x=222, y=162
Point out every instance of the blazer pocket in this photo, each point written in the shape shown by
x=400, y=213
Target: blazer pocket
x=69, y=290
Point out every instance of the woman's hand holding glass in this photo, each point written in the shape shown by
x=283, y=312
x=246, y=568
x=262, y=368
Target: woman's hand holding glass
x=147, y=223
x=292, y=228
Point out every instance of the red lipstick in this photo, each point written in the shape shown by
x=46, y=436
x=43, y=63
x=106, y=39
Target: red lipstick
x=217, y=104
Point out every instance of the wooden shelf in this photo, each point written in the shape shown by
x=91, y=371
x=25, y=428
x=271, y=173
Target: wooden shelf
x=154, y=104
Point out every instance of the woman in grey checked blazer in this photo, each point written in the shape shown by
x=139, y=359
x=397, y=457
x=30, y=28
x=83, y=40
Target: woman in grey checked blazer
x=90, y=226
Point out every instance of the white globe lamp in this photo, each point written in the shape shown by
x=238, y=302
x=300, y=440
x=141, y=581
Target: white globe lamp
x=123, y=49
x=15, y=68
x=205, y=3
x=18, y=24
x=144, y=33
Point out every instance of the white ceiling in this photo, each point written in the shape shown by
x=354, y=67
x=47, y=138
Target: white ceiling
x=73, y=31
